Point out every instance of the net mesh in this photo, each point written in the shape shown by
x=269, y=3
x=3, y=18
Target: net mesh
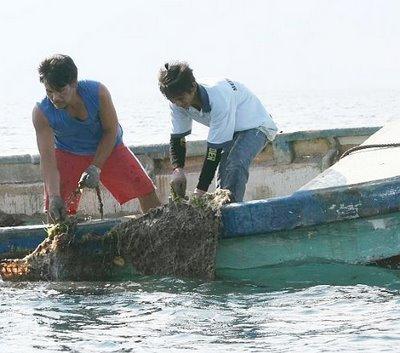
x=179, y=239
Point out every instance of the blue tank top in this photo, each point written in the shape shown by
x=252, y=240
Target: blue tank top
x=71, y=134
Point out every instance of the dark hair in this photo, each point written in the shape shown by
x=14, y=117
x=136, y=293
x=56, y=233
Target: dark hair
x=175, y=79
x=57, y=71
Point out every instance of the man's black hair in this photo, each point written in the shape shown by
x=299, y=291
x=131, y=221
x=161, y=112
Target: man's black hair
x=175, y=79
x=58, y=71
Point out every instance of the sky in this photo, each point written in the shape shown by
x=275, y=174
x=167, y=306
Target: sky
x=269, y=44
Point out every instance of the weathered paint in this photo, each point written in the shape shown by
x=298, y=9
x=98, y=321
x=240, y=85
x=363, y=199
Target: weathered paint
x=311, y=207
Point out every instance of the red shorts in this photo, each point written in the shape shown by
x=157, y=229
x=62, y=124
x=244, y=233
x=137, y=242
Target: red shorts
x=122, y=175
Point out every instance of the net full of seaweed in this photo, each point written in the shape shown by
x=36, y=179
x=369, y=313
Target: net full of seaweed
x=178, y=239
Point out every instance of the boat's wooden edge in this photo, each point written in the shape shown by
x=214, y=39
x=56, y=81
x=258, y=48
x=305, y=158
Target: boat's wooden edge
x=311, y=207
x=197, y=147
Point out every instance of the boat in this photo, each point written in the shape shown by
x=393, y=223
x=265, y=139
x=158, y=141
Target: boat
x=347, y=215
x=340, y=227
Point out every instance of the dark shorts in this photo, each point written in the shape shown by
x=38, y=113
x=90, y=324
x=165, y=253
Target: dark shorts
x=122, y=175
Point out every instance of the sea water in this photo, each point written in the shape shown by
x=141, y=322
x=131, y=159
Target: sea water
x=172, y=315
x=145, y=119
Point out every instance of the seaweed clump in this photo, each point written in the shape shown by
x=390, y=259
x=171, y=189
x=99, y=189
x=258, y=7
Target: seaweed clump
x=178, y=239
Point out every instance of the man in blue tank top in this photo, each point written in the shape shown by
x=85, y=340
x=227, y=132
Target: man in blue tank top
x=239, y=127
x=80, y=142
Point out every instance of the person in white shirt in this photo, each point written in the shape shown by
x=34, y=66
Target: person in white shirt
x=239, y=128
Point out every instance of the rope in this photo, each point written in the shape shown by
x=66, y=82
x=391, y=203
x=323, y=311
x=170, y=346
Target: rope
x=79, y=191
x=100, y=202
x=363, y=147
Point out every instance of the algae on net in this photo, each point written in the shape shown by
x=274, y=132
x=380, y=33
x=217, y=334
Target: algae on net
x=179, y=239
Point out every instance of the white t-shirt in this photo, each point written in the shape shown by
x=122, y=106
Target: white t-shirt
x=227, y=107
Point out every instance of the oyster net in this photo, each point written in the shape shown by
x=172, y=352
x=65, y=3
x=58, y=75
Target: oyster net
x=178, y=239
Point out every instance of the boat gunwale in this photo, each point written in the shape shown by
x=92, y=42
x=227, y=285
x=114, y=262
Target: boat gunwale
x=305, y=208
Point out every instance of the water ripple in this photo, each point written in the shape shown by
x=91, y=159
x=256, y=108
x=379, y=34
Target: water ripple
x=153, y=315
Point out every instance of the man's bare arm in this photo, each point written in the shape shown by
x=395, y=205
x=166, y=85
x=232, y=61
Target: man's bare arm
x=109, y=121
x=45, y=142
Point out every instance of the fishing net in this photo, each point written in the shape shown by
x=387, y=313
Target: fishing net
x=179, y=239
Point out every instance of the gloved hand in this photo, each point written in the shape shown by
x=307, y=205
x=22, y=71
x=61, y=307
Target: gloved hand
x=178, y=182
x=90, y=177
x=56, y=211
x=199, y=193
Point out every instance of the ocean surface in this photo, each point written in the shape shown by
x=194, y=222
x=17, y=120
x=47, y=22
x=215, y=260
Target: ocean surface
x=145, y=118
x=171, y=315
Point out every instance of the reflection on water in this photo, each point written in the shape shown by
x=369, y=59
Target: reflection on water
x=156, y=314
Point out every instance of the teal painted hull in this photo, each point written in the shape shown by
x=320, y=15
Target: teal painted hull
x=358, y=241
x=335, y=253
